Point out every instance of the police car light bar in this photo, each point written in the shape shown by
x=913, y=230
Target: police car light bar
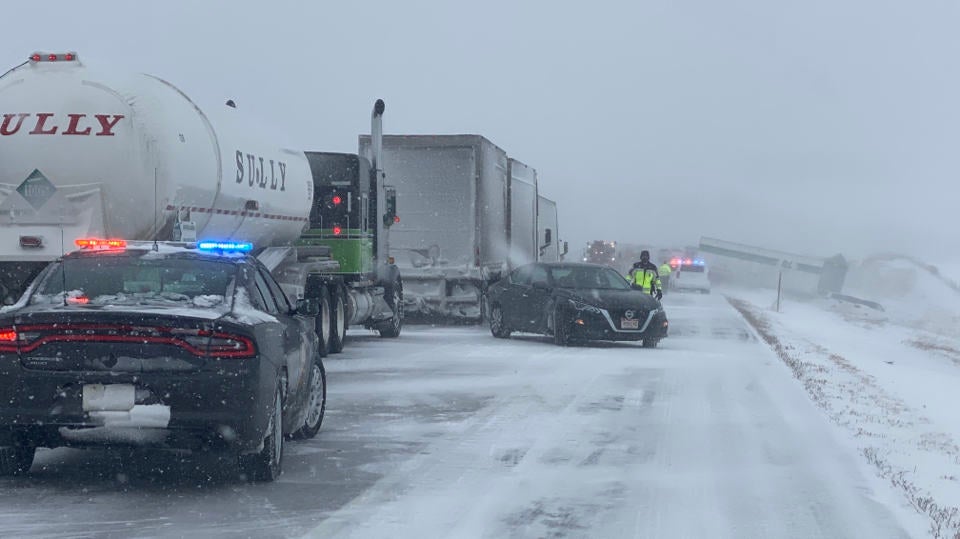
x=225, y=246
x=100, y=244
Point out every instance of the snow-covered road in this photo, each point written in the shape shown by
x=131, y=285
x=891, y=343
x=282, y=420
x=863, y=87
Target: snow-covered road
x=448, y=432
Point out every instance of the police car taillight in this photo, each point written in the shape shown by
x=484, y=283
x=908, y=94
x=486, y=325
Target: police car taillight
x=38, y=57
x=99, y=244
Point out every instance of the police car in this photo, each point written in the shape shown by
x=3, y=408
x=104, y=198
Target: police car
x=186, y=346
x=690, y=274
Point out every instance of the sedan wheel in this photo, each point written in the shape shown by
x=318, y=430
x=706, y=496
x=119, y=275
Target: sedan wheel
x=561, y=327
x=497, y=327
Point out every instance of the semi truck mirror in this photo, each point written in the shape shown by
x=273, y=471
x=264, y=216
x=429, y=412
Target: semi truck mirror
x=547, y=237
x=566, y=248
x=390, y=206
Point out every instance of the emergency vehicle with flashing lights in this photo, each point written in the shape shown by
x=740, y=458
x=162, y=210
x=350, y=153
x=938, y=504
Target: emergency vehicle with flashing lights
x=90, y=152
x=174, y=345
x=689, y=275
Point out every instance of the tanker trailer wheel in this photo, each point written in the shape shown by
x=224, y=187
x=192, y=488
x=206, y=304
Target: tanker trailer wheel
x=393, y=293
x=323, y=324
x=338, y=322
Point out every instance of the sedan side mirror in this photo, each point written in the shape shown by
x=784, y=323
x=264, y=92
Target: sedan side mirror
x=307, y=307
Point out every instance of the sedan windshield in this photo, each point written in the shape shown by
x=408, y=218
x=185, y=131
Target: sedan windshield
x=130, y=280
x=587, y=277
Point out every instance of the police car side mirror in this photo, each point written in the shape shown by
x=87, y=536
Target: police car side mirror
x=307, y=307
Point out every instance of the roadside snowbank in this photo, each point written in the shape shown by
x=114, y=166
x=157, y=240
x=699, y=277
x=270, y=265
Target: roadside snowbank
x=885, y=378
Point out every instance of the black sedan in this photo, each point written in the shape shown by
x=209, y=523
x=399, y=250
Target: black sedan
x=574, y=302
x=168, y=347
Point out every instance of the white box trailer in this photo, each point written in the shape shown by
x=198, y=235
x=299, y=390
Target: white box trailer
x=467, y=216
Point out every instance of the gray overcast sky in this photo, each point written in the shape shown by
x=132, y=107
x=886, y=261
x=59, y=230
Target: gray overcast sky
x=821, y=126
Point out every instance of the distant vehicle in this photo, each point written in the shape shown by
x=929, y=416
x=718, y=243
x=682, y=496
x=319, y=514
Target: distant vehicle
x=575, y=302
x=600, y=252
x=174, y=346
x=690, y=275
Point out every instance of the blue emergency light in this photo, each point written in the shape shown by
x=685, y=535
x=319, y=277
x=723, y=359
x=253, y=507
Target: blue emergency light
x=226, y=246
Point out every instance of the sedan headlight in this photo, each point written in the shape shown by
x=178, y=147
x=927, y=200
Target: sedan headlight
x=581, y=306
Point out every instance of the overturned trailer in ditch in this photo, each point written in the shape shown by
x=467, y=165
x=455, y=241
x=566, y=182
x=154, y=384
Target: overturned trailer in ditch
x=748, y=265
x=467, y=215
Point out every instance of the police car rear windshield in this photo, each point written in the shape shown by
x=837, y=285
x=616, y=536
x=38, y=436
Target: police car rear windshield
x=136, y=280
x=692, y=268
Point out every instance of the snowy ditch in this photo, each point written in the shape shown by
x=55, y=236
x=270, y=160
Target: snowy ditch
x=913, y=453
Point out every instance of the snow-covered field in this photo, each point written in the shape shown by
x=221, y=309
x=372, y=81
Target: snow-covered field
x=448, y=432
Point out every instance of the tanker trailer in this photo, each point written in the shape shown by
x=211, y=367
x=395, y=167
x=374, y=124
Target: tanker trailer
x=92, y=153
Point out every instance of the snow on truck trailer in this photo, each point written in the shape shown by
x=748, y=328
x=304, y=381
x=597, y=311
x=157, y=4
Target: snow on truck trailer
x=468, y=217
x=90, y=153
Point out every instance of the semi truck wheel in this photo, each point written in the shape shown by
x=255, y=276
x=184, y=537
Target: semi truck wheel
x=338, y=325
x=394, y=296
x=323, y=324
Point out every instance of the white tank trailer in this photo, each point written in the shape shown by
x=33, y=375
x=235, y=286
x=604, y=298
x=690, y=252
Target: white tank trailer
x=92, y=153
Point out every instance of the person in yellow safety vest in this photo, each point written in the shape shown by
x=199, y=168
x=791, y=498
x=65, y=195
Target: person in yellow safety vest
x=644, y=276
x=665, y=270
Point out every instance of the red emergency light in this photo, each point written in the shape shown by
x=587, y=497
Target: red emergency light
x=79, y=300
x=100, y=244
x=396, y=218
x=337, y=230
x=337, y=200
x=52, y=57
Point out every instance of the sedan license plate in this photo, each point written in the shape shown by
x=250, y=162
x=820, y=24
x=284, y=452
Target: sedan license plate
x=108, y=397
x=629, y=323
